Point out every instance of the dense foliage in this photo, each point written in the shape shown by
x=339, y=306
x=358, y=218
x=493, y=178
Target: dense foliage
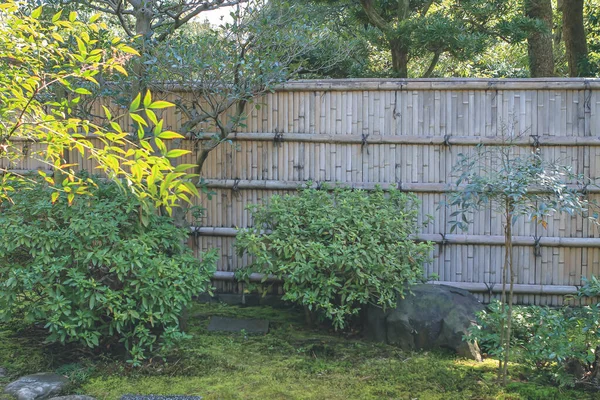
x=47, y=66
x=338, y=250
x=559, y=345
x=90, y=272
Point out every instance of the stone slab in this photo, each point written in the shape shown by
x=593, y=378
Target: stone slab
x=158, y=397
x=224, y=324
x=36, y=386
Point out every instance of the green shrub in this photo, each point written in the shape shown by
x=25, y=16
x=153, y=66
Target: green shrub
x=558, y=344
x=337, y=250
x=90, y=272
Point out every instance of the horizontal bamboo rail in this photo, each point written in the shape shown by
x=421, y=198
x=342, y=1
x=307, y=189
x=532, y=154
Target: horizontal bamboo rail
x=407, y=139
x=238, y=184
x=475, y=287
x=489, y=240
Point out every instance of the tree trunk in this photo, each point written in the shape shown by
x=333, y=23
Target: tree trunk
x=574, y=37
x=508, y=262
x=539, y=44
x=399, y=58
x=143, y=28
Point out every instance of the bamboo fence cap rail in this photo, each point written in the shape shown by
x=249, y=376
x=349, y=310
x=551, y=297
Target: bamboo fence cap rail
x=360, y=84
x=441, y=84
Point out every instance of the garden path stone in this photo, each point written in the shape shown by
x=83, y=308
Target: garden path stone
x=37, y=386
x=158, y=397
x=437, y=316
x=225, y=324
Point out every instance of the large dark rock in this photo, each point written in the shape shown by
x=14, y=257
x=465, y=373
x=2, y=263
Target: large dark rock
x=36, y=386
x=436, y=316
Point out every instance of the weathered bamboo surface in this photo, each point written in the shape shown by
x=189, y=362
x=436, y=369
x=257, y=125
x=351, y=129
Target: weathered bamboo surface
x=409, y=134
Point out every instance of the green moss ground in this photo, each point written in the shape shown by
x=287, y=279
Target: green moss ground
x=291, y=362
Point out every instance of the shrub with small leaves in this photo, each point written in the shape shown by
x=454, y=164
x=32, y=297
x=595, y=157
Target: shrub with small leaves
x=92, y=272
x=337, y=250
x=559, y=344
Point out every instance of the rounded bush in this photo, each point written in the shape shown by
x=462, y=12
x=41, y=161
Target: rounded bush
x=91, y=272
x=337, y=250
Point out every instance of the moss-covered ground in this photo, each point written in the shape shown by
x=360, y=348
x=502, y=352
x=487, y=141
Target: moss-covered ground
x=291, y=362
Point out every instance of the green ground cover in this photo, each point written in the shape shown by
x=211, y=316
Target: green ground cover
x=291, y=362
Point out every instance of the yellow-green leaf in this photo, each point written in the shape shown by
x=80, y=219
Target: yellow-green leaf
x=160, y=104
x=135, y=103
x=177, y=153
x=170, y=135
x=94, y=17
x=147, y=99
x=56, y=16
x=35, y=14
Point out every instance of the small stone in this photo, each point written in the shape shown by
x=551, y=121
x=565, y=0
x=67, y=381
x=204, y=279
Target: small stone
x=73, y=397
x=158, y=397
x=36, y=386
x=224, y=324
x=3, y=372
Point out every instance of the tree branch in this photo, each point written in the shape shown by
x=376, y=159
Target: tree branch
x=374, y=17
x=432, y=64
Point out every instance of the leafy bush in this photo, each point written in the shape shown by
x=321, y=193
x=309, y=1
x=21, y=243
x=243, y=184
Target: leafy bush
x=337, y=250
x=92, y=273
x=558, y=344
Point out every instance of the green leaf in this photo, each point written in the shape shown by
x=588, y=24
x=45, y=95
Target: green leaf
x=170, y=135
x=56, y=16
x=138, y=118
x=135, y=104
x=160, y=104
x=147, y=99
x=82, y=91
x=107, y=112
x=177, y=153
x=35, y=14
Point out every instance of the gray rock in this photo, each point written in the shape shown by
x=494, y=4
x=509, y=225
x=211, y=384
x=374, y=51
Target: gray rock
x=223, y=324
x=437, y=316
x=73, y=397
x=157, y=397
x=36, y=386
x=3, y=372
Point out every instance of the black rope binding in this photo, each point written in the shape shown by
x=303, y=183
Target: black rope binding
x=444, y=239
x=537, y=247
x=490, y=288
x=236, y=188
x=447, y=140
x=536, y=141
x=278, y=137
x=363, y=142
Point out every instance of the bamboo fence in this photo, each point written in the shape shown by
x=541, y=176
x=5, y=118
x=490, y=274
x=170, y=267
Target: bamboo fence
x=408, y=134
